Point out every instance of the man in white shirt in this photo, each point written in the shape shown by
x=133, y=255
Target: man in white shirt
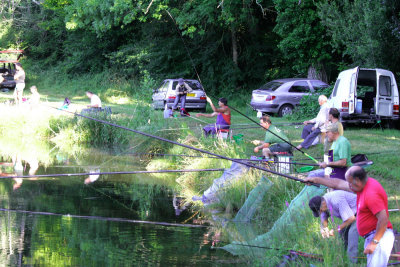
x=315, y=126
x=95, y=101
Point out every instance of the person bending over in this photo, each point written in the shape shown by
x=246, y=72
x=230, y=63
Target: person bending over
x=223, y=113
x=342, y=205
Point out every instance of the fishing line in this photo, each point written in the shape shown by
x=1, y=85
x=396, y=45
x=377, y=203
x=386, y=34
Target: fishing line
x=194, y=67
x=194, y=156
x=99, y=218
x=187, y=146
x=244, y=115
x=105, y=173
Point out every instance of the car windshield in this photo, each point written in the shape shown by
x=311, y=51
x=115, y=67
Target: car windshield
x=271, y=86
x=193, y=84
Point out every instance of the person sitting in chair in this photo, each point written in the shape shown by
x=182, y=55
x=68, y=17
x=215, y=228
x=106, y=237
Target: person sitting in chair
x=274, y=140
x=223, y=114
x=181, y=91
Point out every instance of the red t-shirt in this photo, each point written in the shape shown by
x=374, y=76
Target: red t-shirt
x=371, y=200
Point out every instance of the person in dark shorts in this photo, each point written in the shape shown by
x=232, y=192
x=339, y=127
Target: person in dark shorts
x=274, y=140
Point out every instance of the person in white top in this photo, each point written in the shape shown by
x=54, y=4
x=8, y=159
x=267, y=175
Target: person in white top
x=95, y=101
x=19, y=78
x=315, y=126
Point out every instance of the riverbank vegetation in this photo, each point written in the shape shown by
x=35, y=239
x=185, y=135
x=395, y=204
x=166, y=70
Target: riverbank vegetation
x=121, y=52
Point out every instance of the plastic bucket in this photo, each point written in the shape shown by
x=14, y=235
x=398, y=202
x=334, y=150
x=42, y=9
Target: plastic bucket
x=305, y=169
x=238, y=138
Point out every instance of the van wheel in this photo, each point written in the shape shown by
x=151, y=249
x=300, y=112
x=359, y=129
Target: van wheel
x=285, y=110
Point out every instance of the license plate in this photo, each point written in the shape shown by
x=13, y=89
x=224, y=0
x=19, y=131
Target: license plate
x=191, y=94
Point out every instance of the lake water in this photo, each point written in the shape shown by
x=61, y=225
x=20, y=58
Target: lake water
x=40, y=224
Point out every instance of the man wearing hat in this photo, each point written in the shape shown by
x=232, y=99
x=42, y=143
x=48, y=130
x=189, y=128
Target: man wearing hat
x=181, y=91
x=342, y=205
x=339, y=155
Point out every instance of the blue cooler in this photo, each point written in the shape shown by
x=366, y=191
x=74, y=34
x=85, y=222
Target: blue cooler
x=359, y=106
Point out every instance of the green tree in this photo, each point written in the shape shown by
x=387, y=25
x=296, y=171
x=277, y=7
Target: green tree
x=364, y=31
x=304, y=42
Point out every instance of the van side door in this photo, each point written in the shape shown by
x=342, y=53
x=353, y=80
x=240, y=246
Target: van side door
x=384, y=93
x=352, y=89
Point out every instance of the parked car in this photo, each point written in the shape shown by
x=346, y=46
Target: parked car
x=7, y=67
x=164, y=96
x=281, y=96
x=366, y=95
x=7, y=70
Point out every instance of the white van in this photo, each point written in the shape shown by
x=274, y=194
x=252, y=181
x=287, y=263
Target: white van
x=366, y=95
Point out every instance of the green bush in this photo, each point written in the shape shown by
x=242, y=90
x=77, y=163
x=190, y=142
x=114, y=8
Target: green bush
x=309, y=107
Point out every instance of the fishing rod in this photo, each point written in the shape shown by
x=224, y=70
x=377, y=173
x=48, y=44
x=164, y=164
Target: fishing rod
x=195, y=156
x=105, y=218
x=187, y=146
x=244, y=115
x=194, y=67
x=105, y=173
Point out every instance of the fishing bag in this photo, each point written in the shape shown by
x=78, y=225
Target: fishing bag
x=359, y=158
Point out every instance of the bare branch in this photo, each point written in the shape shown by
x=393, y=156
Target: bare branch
x=147, y=9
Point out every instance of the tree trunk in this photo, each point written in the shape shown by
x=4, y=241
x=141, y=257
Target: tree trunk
x=317, y=71
x=234, y=46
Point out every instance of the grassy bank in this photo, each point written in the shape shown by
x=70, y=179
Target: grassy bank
x=130, y=103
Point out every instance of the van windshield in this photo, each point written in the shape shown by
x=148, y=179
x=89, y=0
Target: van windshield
x=271, y=86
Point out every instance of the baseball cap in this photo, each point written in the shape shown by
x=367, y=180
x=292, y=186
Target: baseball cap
x=315, y=205
x=180, y=81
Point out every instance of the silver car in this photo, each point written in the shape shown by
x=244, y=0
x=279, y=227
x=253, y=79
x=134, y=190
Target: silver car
x=164, y=96
x=281, y=96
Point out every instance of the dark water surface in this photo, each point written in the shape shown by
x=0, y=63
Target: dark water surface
x=56, y=239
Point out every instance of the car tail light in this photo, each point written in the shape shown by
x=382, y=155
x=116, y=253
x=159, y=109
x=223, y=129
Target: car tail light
x=345, y=106
x=172, y=97
x=203, y=98
x=395, y=109
x=270, y=98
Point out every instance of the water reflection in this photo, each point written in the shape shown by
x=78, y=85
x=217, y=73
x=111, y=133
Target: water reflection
x=38, y=239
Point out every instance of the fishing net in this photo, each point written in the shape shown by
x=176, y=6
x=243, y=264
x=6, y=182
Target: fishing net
x=287, y=222
x=253, y=201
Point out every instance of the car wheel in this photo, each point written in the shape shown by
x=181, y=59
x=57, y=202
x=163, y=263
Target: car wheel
x=285, y=110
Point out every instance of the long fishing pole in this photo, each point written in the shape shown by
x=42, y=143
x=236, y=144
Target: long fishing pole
x=194, y=67
x=244, y=115
x=195, y=156
x=105, y=173
x=187, y=146
x=105, y=218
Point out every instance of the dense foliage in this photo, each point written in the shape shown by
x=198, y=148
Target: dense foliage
x=232, y=46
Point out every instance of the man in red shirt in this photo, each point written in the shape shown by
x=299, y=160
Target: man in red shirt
x=372, y=213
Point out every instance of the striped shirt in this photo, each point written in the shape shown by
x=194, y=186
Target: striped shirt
x=341, y=204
